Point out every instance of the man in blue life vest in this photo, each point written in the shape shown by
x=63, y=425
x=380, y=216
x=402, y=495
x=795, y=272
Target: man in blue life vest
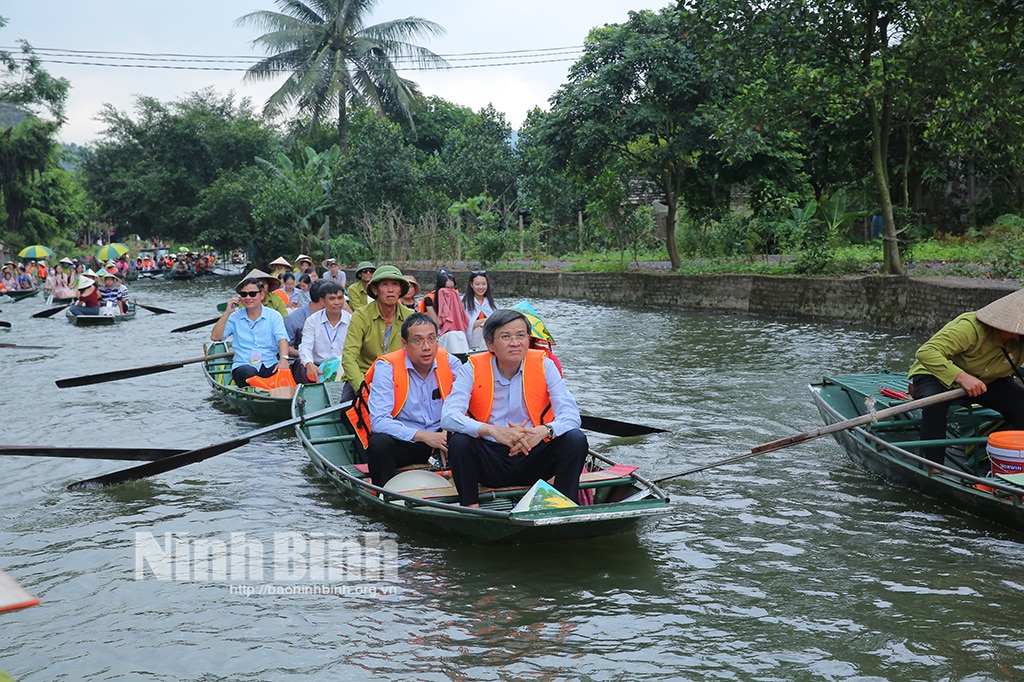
x=401, y=400
x=512, y=419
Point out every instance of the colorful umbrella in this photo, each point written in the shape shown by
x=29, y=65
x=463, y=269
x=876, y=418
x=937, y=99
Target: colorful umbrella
x=538, y=329
x=111, y=251
x=36, y=251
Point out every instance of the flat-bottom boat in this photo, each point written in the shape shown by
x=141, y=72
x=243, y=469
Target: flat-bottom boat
x=622, y=499
x=102, y=319
x=892, y=448
x=253, y=402
x=18, y=294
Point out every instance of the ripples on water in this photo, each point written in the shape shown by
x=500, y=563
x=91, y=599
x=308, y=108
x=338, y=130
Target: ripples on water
x=791, y=565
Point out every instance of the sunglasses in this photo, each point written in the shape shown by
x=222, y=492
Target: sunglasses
x=478, y=272
x=248, y=294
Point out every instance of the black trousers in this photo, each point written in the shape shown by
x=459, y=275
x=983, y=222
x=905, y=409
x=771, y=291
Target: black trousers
x=386, y=453
x=1005, y=396
x=476, y=460
x=243, y=373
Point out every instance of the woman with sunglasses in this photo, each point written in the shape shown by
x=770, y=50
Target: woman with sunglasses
x=479, y=306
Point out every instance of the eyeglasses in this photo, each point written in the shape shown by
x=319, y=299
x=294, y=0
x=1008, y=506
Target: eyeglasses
x=249, y=294
x=521, y=337
x=423, y=340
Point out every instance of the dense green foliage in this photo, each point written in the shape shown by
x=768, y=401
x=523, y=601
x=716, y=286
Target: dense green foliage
x=710, y=133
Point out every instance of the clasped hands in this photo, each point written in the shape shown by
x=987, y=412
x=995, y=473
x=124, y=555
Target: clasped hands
x=519, y=438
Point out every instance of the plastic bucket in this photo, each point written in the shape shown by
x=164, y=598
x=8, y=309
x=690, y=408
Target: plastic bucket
x=1006, y=452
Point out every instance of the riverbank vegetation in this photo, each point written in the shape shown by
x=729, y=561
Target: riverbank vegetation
x=716, y=135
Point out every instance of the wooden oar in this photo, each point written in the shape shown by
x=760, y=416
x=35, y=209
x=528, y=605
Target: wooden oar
x=18, y=345
x=616, y=428
x=826, y=430
x=133, y=454
x=193, y=456
x=51, y=311
x=135, y=371
x=5, y=325
x=153, y=309
x=196, y=325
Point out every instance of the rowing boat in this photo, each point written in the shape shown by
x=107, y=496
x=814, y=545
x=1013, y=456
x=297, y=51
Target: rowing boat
x=101, y=319
x=623, y=499
x=892, y=448
x=18, y=294
x=253, y=402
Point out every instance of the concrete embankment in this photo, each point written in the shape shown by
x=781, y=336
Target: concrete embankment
x=913, y=303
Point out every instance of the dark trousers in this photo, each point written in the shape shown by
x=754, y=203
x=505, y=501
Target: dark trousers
x=476, y=460
x=243, y=373
x=386, y=453
x=1002, y=395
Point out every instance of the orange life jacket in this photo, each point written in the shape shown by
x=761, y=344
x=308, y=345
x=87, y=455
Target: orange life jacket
x=359, y=414
x=535, y=387
x=422, y=306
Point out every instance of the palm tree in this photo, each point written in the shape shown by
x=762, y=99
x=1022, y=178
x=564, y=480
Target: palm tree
x=333, y=59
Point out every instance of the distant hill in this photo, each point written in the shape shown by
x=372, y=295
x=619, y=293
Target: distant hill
x=11, y=115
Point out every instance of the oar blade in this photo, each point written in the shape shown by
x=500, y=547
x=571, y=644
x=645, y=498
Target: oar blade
x=5, y=325
x=153, y=309
x=127, y=454
x=192, y=456
x=195, y=325
x=50, y=312
x=614, y=427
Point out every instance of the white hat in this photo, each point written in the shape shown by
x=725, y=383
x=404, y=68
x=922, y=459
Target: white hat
x=84, y=283
x=1005, y=314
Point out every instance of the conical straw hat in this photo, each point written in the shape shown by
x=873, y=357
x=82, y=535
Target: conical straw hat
x=1005, y=314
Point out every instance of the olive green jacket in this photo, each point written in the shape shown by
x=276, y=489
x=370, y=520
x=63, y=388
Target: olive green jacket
x=966, y=345
x=364, y=341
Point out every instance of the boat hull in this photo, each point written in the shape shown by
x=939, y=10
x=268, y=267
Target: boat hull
x=20, y=294
x=970, y=491
x=329, y=448
x=100, y=320
x=256, y=404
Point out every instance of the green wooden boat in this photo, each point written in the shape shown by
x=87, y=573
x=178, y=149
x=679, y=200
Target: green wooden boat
x=891, y=448
x=623, y=500
x=19, y=294
x=100, y=320
x=255, y=403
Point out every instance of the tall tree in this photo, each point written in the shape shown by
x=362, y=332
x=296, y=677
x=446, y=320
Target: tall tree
x=336, y=61
x=638, y=93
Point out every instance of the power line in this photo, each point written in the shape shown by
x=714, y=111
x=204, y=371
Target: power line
x=197, y=62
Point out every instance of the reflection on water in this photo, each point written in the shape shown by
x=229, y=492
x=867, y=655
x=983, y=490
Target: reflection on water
x=791, y=565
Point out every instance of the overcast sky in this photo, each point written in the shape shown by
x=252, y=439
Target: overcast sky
x=207, y=27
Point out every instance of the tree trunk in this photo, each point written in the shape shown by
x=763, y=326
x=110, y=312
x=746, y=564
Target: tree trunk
x=342, y=124
x=891, y=262
x=672, y=202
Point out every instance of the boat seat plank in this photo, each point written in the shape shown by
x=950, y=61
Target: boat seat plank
x=331, y=439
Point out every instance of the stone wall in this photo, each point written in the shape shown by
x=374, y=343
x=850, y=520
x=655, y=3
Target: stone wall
x=913, y=303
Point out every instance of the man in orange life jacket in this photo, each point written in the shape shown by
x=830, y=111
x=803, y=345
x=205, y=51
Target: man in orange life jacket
x=512, y=419
x=406, y=388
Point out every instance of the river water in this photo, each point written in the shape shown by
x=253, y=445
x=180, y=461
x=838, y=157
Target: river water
x=793, y=565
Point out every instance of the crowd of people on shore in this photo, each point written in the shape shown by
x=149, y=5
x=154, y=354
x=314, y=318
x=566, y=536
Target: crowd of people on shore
x=446, y=374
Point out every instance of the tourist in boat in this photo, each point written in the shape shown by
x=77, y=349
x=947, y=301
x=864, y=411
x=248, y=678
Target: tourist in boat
x=409, y=300
x=270, y=285
x=258, y=337
x=42, y=272
x=25, y=282
x=357, y=296
x=397, y=417
x=279, y=266
x=297, y=318
x=479, y=306
x=88, y=302
x=376, y=327
x=288, y=291
x=60, y=281
x=301, y=295
x=512, y=419
x=302, y=261
x=9, y=281
x=979, y=351
x=428, y=304
x=324, y=332
x=111, y=293
x=334, y=273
